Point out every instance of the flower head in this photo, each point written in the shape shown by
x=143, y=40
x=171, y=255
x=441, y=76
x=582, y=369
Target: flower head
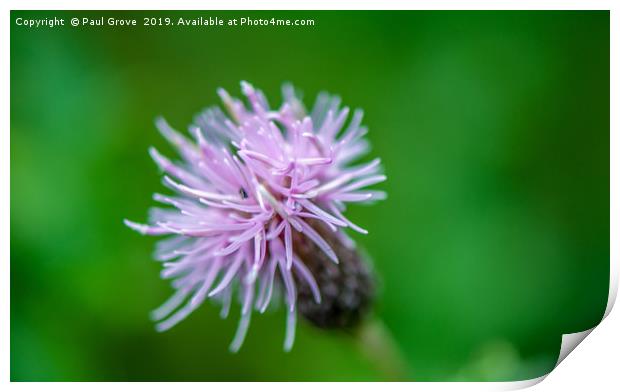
x=249, y=186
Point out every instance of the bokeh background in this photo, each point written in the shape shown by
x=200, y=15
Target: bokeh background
x=494, y=131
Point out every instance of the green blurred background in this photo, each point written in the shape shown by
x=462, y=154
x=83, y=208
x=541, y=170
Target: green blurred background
x=494, y=131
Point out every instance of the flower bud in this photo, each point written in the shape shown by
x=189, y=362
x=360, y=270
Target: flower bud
x=347, y=288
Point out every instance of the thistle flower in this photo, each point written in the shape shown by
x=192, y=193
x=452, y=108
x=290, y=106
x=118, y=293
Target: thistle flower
x=258, y=210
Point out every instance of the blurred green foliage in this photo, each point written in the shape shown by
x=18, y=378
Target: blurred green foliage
x=494, y=131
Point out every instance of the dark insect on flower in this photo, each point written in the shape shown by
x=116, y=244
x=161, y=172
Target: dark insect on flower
x=259, y=205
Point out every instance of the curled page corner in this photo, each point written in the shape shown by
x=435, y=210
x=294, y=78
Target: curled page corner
x=571, y=340
x=517, y=385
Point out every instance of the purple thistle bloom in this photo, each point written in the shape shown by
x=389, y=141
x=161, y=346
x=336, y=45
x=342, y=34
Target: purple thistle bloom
x=245, y=188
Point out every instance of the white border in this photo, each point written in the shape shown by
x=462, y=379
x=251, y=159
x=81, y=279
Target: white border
x=311, y=5
x=594, y=363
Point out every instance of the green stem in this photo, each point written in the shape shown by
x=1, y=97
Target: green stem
x=376, y=343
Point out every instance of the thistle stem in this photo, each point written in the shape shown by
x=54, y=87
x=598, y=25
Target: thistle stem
x=377, y=345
